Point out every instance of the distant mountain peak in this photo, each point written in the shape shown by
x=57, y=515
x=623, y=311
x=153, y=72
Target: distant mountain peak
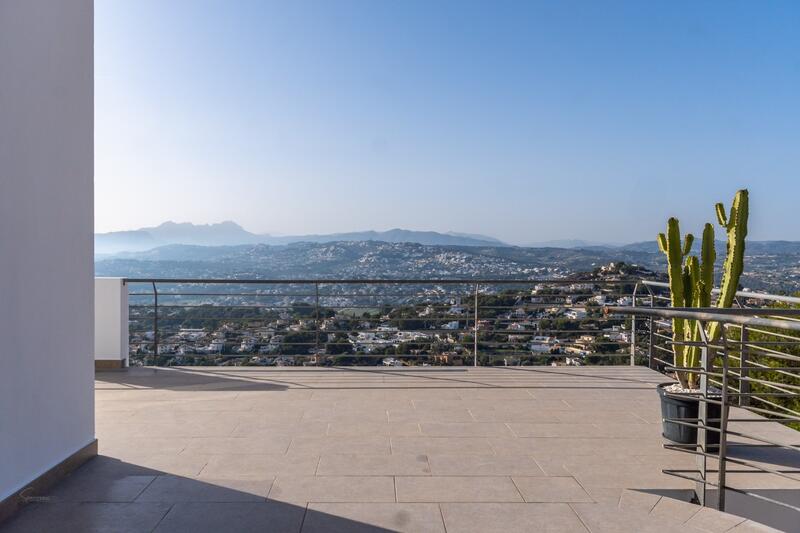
x=170, y=224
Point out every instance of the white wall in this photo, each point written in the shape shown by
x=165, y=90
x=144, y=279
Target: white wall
x=111, y=320
x=46, y=212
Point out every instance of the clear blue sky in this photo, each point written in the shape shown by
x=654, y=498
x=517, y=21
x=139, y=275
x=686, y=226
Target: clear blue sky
x=527, y=121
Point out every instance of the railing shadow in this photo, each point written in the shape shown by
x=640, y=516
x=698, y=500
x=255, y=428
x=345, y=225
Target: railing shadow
x=173, y=378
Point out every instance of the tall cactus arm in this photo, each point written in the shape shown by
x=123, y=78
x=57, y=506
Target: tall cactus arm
x=691, y=273
x=708, y=255
x=721, y=217
x=687, y=244
x=662, y=243
x=691, y=353
x=732, y=268
x=670, y=245
x=734, y=260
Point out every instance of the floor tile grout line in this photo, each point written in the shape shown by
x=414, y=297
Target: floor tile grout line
x=169, y=510
x=650, y=511
x=508, y=426
x=202, y=468
x=518, y=489
x=139, y=494
x=578, y=516
x=271, y=486
x=303, y=521
x=575, y=479
x=699, y=508
x=533, y=458
x=441, y=514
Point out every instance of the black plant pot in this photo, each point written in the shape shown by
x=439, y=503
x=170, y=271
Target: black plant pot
x=685, y=406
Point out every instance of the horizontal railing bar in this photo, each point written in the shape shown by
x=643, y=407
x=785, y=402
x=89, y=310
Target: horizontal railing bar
x=704, y=316
x=741, y=294
x=378, y=281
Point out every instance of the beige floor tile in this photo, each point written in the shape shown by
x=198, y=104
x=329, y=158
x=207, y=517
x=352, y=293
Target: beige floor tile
x=305, y=489
x=550, y=429
x=371, y=517
x=292, y=429
x=367, y=444
x=465, y=429
x=483, y=465
x=373, y=465
x=374, y=428
x=252, y=466
x=456, y=489
x=496, y=394
x=125, y=446
x=441, y=445
x=431, y=415
x=507, y=517
x=244, y=445
x=490, y=414
x=551, y=489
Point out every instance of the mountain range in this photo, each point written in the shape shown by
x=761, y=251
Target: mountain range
x=229, y=233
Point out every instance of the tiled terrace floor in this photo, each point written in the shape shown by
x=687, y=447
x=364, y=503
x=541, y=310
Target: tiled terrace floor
x=372, y=449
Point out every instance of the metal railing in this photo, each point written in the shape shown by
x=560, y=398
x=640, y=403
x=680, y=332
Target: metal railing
x=751, y=374
x=356, y=321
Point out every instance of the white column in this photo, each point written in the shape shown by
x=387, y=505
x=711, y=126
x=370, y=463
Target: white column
x=110, y=323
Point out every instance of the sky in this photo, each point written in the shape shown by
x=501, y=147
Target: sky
x=525, y=121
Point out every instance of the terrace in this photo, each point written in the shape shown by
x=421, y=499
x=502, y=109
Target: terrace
x=467, y=449
x=436, y=448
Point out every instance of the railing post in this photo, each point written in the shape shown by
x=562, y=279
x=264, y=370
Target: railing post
x=633, y=328
x=744, y=373
x=316, y=322
x=723, y=424
x=702, y=417
x=651, y=335
x=475, y=331
x=155, y=325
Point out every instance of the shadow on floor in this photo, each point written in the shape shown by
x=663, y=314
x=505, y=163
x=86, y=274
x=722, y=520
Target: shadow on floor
x=172, y=378
x=107, y=494
x=238, y=379
x=772, y=456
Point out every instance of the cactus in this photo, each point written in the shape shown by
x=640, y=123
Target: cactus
x=679, y=284
x=735, y=225
x=701, y=279
x=691, y=281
